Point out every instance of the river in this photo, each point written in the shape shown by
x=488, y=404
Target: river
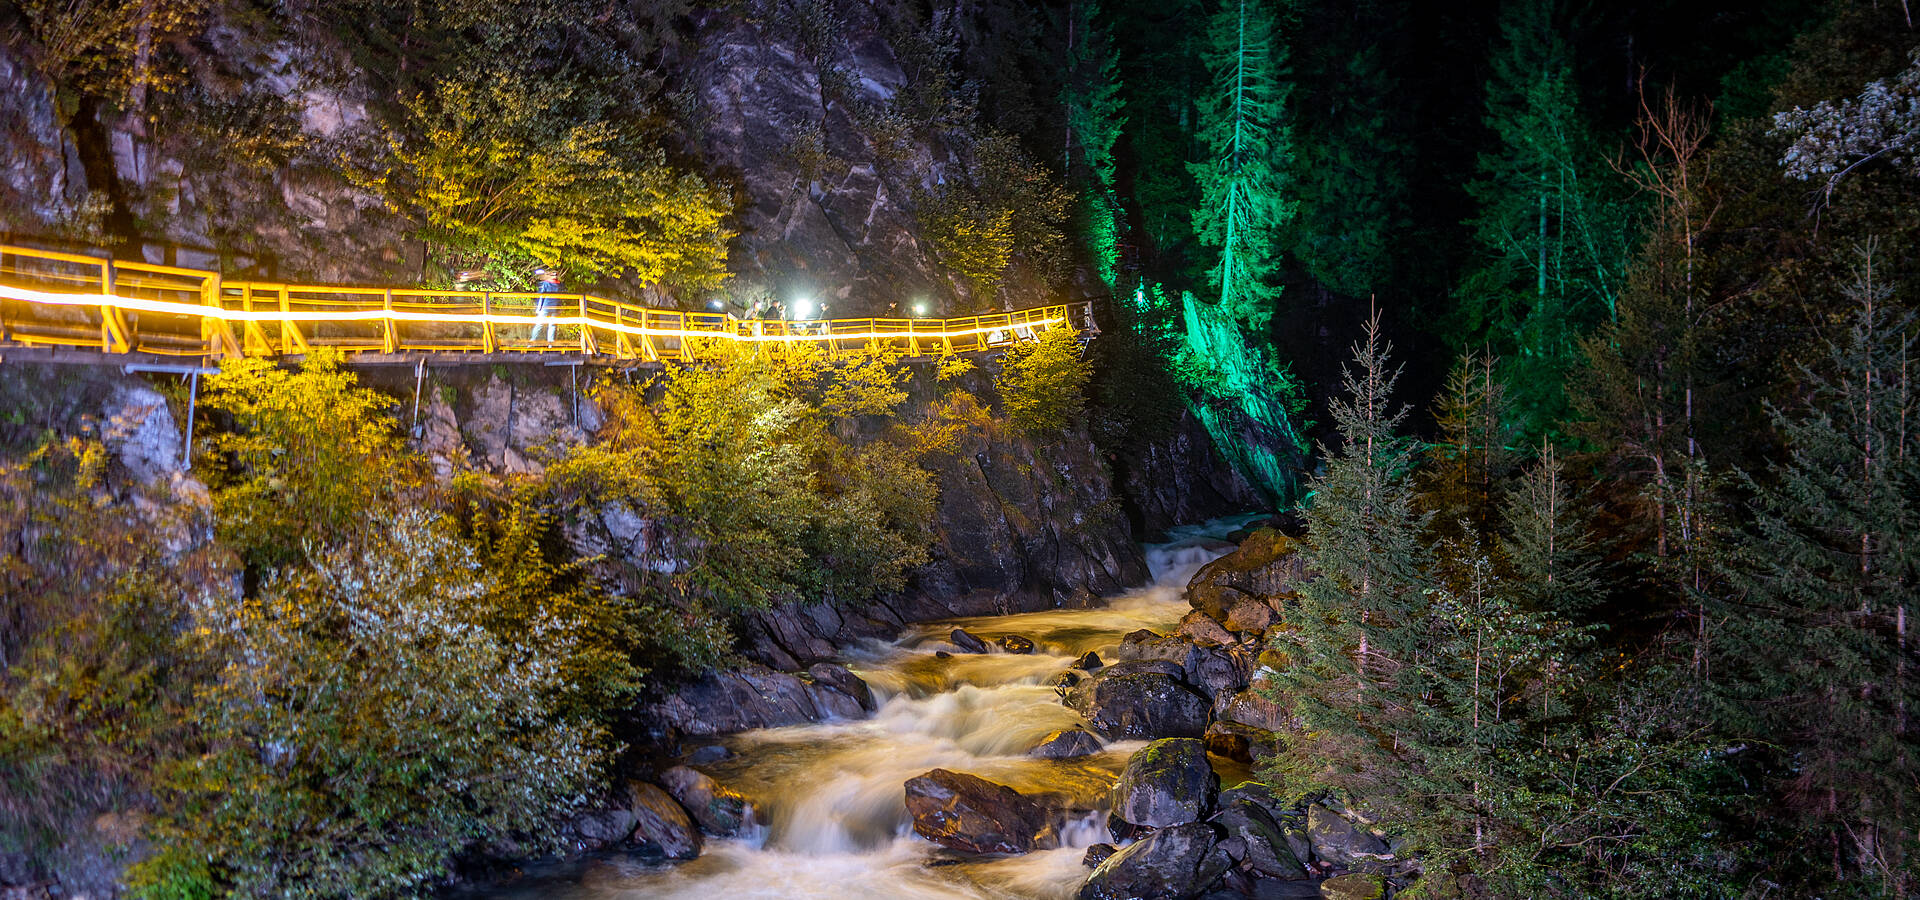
x=831, y=793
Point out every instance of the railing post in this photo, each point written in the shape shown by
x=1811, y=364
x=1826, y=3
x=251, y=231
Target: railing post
x=113, y=326
x=487, y=342
x=389, y=336
x=586, y=334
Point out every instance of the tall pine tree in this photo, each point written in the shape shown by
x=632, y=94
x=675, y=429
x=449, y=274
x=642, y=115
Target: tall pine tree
x=1094, y=113
x=1550, y=228
x=1359, y=624
x=1244, y=200
x=1817, y=655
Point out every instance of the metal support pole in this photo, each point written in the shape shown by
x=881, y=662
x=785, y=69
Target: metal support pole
x=186, y=442
x=419, y=375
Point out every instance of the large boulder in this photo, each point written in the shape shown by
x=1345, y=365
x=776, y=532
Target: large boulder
x=1250, y=616
x=595, y=829
x=1168, y=782
x=1219, y=672
x=1066, y=744
x=752, y=696
x=1171, y=864
x=661, y=827
x=1341, y=842
x=1256, y=843
x=719, y=810
x=1268, y=564
x=1123, y=704
x=966, y=641
x=966, y=812
x=840, y=679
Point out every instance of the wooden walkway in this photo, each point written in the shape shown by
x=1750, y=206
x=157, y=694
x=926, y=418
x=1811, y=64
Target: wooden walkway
x=116, y=308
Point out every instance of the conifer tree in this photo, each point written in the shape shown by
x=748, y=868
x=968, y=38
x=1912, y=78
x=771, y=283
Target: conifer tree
x=1817, y=654
x=1244, y=199
x=1352, y=146
x=1469, y=462
x=1549, y=231
x=1161, y=75
x=1359, y=624
x=1094, y=113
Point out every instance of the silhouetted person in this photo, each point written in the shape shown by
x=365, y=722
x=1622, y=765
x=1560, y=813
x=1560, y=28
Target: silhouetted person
x=543, y=309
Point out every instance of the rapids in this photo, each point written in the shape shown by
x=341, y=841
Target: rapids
x=837, y=826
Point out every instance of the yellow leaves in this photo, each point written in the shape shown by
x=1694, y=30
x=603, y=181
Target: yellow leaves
x=494, y=170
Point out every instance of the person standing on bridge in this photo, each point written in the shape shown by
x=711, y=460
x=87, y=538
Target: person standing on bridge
x=544, y=307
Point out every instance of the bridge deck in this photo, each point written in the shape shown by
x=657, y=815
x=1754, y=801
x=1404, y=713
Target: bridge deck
x=59, y=303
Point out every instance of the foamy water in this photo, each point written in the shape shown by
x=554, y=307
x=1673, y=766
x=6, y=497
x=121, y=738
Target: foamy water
x=832, y=794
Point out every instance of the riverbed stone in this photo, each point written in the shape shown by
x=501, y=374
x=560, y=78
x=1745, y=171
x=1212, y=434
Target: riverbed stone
x=1143, y=705
x=1256, y=843
x=843, y=680
x=1069, y=743
x=1266, y=563
x=1013, y=643
x=662, y=828
x=600, y=828
x=1200, y=628
x=1219, y=672
x=966, y=641
x=1097, y=854
x=1088, y=662
x=1167, y=782
x=1339, y=841
x=1354, y=886
x=1174, y=863
x=719, y=810
x=1250, y=616
x=752, y=696
x=969, y=813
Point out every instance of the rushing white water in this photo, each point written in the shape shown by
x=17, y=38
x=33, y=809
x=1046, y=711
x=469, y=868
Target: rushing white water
x=831, y=793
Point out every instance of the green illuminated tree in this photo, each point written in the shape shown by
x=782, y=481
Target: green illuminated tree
x=1094, y=120
x=1549, y=229
x=1242, y=177
x=1161, y=76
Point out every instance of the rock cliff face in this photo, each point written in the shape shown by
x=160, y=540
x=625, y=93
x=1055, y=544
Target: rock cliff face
x=803, y=124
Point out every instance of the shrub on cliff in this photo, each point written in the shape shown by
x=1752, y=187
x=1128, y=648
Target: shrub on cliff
x=1043, y=383
x=369, y=715
x=302, y=458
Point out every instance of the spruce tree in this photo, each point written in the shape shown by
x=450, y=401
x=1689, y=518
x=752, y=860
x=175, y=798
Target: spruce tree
x=1548, y=229
x=1817, y=658
x=1244, y=199
x=1094, y=114
x=1360, y=622
x=1465, y=467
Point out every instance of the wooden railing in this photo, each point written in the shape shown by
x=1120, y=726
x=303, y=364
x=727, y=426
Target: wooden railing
x=55, y=299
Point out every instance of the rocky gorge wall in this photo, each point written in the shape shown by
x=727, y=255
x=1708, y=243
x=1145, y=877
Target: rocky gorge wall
x=805, y=125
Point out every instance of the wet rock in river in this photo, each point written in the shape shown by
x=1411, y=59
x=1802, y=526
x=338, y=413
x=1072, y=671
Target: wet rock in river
x=1066, y=744
x=1168, y=782
x=1267, y=564
x=710, y=753
x=969, y=813
x=600, y=828
x=1256, y=843
x=751, y=697
x=1174, y=863
x=719, y=811
x=967, y=642
x=1088, y=662
x=1125, y=704
x=1013, y=643
x=662, y=828
x=1097, y=854
x=844, y=681
x=1200, y=628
